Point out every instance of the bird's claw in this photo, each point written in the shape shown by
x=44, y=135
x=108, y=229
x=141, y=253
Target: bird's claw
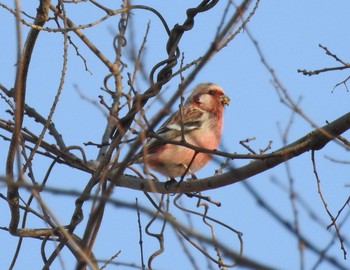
x=169, y=183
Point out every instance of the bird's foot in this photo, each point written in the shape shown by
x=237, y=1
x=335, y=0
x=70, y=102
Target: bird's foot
x=169, y=183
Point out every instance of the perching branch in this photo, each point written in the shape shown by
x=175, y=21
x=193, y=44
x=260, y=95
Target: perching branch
x=314, y=140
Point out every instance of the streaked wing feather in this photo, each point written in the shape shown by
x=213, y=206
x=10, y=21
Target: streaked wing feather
x=191, y=119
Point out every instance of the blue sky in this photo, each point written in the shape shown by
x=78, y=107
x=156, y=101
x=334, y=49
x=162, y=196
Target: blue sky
x=288, y=32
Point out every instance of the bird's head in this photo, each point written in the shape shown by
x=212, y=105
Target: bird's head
x=209, y=97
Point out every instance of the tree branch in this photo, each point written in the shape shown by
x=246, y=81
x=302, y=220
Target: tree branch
x=24, y=57
x=315, y=140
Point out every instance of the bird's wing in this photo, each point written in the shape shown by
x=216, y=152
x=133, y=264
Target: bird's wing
x=186, y=120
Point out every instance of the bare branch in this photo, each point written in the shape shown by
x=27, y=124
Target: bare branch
x=314, y=140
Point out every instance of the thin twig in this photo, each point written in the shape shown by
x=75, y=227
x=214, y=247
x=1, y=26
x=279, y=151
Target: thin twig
x=325, y=205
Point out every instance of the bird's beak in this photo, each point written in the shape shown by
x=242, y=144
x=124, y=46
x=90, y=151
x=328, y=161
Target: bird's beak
x=225, y=100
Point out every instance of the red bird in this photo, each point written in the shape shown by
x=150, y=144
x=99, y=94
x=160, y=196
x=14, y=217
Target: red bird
x=199, y=122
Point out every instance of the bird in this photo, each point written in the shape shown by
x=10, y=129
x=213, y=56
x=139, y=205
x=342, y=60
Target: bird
x=198, y=122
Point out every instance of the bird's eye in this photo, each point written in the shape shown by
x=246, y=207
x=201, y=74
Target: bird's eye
x=211, y=92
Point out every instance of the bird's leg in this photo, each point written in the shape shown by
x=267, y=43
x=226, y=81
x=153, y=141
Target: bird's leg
x=187, y=171
x=187, y=168
x=193, y=177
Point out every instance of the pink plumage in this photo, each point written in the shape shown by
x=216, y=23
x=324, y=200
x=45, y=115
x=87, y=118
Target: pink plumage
x=199, y=122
